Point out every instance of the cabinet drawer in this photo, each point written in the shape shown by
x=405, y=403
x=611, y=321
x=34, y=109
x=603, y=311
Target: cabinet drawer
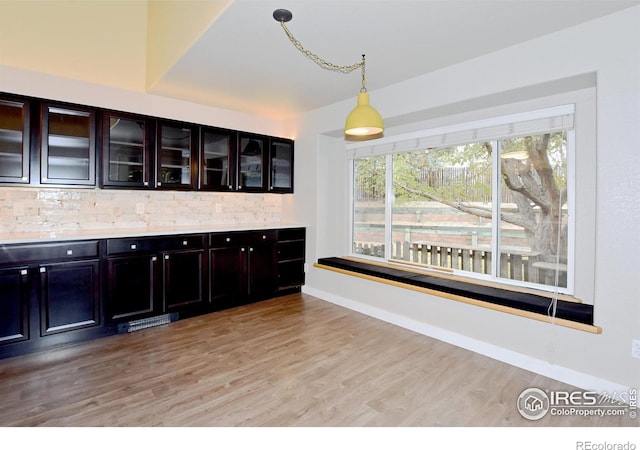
x=155, y=244
x=218, y=240
x=126, y=245
x=184, y=242
x=48, y=251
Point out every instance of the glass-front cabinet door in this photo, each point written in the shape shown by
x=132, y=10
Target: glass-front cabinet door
x=67, y=146
x=126, y=151
x=281, y=165
x=252, y=153
x=14, y=141
x=217, y=159
x=176, y=156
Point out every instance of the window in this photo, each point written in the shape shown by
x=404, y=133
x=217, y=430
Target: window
x=491, y=199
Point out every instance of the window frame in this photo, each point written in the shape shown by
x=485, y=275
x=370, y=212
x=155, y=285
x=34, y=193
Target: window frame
x=355, y=151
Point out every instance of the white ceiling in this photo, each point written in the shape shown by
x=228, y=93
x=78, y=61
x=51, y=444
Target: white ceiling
x=245, y=62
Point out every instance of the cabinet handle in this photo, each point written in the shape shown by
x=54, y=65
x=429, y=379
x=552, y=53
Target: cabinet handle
x=134, y=246
x=166, y=257
x=43, y=270
x=242, y=249
x=250, y=249
x=24, y=272
x=69, y=252
x=230, y=187
x=146, y=183
x=154, y=258
x=159, y=183
x=264, y=236
x=228, y=239
x=185, y=243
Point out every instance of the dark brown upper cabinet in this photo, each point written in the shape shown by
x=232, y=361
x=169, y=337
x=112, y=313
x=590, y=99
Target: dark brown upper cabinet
x=280, y=165
x=67, y=145
x=217, y=159
x=50, y=143
x=14, y=141
x=127, y=151
x=253, y=154
x=176, y=155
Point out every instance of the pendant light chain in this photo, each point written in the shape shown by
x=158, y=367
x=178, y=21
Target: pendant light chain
x=321, y=62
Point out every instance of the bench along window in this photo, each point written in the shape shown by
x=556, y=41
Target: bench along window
x=490, y=200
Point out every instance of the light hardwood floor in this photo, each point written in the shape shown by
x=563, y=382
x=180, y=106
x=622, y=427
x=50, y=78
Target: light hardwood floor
x=291, y=361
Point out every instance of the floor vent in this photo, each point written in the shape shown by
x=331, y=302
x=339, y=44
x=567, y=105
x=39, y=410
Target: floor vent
x=148, y=322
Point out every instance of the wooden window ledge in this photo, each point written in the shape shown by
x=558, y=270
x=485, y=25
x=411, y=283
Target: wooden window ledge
x=521, y=302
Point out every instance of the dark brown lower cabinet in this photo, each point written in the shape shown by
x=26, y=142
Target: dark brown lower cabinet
x=69, y=296
x=183, y=280
x=291, y=259
x=50, y=294
x=154, y=276
x=53, y=293
x=14, y=304
x=131, y=286
x=242, y=268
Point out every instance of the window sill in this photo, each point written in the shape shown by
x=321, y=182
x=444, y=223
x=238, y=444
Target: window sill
x=521, y=302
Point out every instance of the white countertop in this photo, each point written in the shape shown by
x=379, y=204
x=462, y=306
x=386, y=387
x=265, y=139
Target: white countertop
x=53, y=236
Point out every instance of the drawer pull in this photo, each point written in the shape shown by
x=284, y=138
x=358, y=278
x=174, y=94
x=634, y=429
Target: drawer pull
x=166, y=257
x=69, y=252
x=134, y=246
x=154, y=258
x=43, y=269
x=23, y=272
x=228, y=239
x=185, y=243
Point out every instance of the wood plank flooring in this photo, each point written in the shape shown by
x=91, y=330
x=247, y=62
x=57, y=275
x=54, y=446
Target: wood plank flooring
x=291, y=361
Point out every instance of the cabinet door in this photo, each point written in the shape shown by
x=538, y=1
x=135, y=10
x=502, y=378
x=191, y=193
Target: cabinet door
x=69, y=296
x=14, y=301
x=261, y=279
x=228, y=271
x=127, y=143
x=67, y=146
x=176, y=155
x=131, y=286
x=14, y=142
x=281, y=165
x=183, y=279
x=252, y=157
x=217, y=159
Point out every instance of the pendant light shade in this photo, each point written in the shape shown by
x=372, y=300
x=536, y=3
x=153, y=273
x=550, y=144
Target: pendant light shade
x=364, y=120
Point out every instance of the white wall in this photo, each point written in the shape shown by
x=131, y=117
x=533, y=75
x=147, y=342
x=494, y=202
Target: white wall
x=609, y=46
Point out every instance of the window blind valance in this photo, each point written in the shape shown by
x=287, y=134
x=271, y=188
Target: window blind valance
x=535, y=122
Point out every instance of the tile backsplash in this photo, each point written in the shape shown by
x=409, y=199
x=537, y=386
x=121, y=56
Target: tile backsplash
x=27, y=210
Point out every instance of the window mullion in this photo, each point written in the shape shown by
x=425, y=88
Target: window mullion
x=388, y=207
x=496, y=195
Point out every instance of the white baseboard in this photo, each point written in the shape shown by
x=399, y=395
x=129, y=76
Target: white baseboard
x=569, y=376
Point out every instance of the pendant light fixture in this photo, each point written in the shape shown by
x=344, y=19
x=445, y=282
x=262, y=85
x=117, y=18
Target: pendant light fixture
x=363, y=121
